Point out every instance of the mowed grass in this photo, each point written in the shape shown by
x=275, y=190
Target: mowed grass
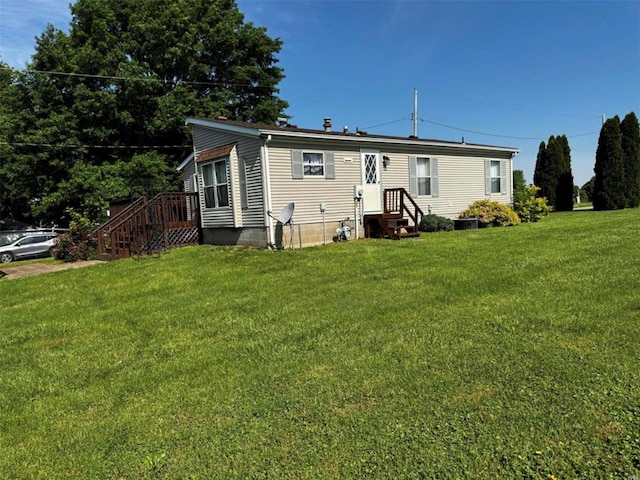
x=496, y=353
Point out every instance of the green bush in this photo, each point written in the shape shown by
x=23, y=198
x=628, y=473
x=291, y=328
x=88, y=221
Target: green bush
x=490, y=213
x=79, y=243
x=435, y=223
x=529, y=207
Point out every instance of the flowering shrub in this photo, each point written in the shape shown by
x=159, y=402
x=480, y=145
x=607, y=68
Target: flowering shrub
x=435, y=223
x=528, y=206
x=79, y=243
x=491, y=213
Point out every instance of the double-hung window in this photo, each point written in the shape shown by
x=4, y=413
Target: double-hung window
x=494, y=174
x=423, y=173
x=216, y=184
x=313, y=163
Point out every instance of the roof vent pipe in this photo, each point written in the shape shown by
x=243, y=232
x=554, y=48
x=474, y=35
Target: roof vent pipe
x=327, y=124
x=345, y=129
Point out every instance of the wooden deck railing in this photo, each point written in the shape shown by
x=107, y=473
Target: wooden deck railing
x=397, y=202
x=133, y=228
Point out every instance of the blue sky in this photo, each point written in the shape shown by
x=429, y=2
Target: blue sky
x=520, y=71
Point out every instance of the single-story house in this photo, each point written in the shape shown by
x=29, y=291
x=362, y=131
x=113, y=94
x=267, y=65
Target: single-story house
x=246, y=173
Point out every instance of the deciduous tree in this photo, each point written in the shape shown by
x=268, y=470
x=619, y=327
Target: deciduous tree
x=119, y=86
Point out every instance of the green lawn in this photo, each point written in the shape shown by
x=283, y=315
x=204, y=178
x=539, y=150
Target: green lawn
x=496, y=353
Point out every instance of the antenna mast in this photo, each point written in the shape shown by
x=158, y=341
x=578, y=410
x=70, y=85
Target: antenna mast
x=415, y=113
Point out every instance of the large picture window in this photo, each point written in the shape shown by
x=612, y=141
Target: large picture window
x=216, y=184
x=423, y=172
x=313, y=163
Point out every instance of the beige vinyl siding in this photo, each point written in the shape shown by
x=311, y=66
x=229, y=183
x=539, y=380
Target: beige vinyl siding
x=461, y=181
x=307, y=193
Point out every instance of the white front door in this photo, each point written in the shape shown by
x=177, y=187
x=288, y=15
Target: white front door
x=372, y=196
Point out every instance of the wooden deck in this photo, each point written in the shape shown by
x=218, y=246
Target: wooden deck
x=147, y=226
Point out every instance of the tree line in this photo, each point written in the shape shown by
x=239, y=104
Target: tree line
x=616, y=183
x=98, y=114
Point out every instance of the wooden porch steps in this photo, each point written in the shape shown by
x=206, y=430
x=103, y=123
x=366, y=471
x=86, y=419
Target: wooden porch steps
x=392, y=222
x=386, y=226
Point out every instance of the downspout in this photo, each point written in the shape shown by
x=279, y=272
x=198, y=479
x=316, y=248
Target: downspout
x=513, y=155
x=266, y=185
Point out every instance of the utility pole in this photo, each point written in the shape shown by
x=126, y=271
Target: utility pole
x=415, y=113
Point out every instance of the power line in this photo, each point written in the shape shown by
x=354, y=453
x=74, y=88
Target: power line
x=121, y=147
x=387, y=123
x=477, y=132
x=139, y=79
x=502, y=136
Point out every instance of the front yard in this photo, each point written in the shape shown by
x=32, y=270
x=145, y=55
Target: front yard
x=497, y=353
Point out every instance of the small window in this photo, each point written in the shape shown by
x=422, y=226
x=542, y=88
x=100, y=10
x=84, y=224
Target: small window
x=423, y=172
x=494, y=174
x=216, y=185
x=313, y=163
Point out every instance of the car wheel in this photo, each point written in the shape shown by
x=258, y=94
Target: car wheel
x=6, y=257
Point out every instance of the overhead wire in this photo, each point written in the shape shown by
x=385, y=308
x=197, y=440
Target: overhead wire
x=387, y=123
x=72, y=145
x=188, y=82
x=501, y=136
x=128, y=78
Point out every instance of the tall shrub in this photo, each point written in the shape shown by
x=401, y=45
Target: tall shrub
x=79, y=243
x=529, y=206
x=490, y=213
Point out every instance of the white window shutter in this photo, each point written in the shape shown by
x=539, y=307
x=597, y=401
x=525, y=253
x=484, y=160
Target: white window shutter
x=434, y=177
x=329, y=166
x=296, y=164
x=487, y=177
x=413, y=176
x=503, y=177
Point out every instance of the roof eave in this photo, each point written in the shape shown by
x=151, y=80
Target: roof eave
x=381, y=140
x=254, y=132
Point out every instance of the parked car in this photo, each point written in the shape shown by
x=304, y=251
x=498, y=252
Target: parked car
x=29, y=246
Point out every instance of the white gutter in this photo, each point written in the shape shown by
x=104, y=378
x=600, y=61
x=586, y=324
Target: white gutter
x=266, y=187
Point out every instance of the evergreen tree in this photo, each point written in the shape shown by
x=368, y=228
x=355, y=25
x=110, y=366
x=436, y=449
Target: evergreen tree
x=519, y=185
x=631, y=157
x=137, y=69
x=586, y=191
x=565, y=187
x=609, y=184
x=541, y=174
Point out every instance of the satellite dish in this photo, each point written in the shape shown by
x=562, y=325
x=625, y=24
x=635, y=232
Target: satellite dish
x=286, y=213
